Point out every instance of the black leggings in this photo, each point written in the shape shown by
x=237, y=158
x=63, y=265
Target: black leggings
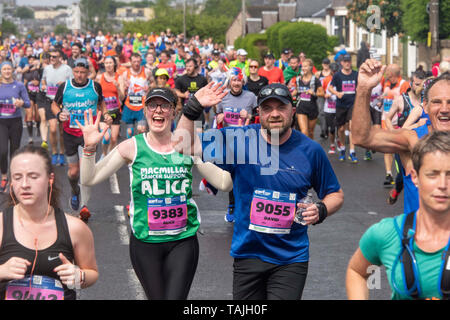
x=165, y=270
x=10, y=135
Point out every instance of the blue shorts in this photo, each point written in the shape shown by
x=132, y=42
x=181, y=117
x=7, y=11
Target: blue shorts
x=130, y=116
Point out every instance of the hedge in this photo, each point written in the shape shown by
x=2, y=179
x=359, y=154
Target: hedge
x=254, y=43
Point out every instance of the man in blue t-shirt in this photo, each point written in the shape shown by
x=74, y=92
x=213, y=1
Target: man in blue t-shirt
x=272, y=167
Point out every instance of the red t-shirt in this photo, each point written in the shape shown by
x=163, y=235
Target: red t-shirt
x=274, y=76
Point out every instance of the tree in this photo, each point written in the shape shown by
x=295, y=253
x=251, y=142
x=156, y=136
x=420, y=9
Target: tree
x=387, y=18
x=94, y=14
x=416, y=19
x=7, y=27
x=24, y=13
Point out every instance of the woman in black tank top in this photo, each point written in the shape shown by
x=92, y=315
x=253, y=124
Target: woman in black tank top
x=44, y=254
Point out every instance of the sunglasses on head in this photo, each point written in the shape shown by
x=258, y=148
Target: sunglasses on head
x=277, y=91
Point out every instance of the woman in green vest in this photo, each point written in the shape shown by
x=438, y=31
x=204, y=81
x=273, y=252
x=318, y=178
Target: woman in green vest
x=164, y=218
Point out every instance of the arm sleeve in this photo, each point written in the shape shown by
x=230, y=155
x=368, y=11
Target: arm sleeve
x=219, y=178
x=59, y=94
x=92, y=173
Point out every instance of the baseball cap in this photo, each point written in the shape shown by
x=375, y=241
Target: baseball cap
x=326, y=61
x=216, y=52
x=276, y=91
x=241, y=52
x=162, y=72
x=285, y=51
x=81, y=62
x=347, y=57
x=165, y=93
x=269, y=55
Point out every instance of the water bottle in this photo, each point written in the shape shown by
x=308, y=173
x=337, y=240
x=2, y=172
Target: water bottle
x=299, y=214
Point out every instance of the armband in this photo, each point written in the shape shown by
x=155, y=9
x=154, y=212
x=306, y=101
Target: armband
x=323, y=211
x=192, y=109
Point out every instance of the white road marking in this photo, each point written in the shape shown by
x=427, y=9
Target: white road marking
x=114, y=184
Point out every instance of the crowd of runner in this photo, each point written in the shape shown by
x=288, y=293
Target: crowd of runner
x=75, y=92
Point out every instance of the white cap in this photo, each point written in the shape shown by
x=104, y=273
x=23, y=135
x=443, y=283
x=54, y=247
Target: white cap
x=241, y=52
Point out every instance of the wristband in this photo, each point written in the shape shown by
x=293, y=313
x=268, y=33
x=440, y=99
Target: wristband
x=57, y=116
x=323, y=211
x=192, y=109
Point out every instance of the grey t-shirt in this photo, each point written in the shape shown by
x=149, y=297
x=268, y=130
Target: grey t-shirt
x=53, y=77
x=232, y=105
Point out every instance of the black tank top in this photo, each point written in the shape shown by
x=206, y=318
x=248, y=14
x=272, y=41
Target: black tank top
x=46, y=261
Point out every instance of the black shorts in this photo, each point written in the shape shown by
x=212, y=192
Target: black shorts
x=33, y=96
x=343, y=115
x=311, y=111
x=71, y=143
x=116, y=115
x=254, y=279
x=44, y=102
x=376, y=116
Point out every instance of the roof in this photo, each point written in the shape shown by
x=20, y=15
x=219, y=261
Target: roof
x=256, y=11
x=340, y=3
x=308, y=8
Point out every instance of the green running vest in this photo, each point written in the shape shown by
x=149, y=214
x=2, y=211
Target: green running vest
x=161, y=208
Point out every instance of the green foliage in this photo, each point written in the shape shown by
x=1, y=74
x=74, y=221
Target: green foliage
x=61, y=29
x=254, y=43
x=228, y=8
x=416, y=21
x=307, y=37
x=390, y=15
x=94, y=15
x=8, y=27
x=204, y=25
x=272, y=37
x=24, y=13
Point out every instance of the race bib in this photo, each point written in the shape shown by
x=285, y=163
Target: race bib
x=76, y=114
x=33, y=88
x=232, y=116
x=51, y=91
x=331, y=104
x=111, y=103
x=349, y=87
x=167, y=216
x=7, y=108
x=42, y=288
x=304, y=96
x=387, y=104
x=135, y=100
x=272, y=211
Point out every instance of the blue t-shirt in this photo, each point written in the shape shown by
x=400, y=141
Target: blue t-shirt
x=298, y=165
x=411, y=198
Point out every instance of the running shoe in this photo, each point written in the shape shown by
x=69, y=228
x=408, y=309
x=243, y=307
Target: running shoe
x=368, y=156
x=55, y=159
x=3, y=185
x=332, y=150
x=62, y=160
x=75, y=202
x=342, y=155
x=389, y=181
x=44, y=145
x=393, y=196
x=352, y=157
x=229, y=217
x=85, y=214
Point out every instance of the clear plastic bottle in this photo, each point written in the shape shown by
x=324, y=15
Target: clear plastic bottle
x=299, y=214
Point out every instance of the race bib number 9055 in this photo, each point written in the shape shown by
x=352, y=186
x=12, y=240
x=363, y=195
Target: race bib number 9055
x=272, y=211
